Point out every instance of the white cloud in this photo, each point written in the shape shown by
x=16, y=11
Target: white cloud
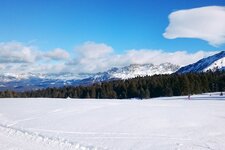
x=33, y=68
x=206, y=23
x=57, y=54
x=86, y=62
x=93, y=50
x=18, y=57
x=15, y=52
x=159, y=56
x=90, y=57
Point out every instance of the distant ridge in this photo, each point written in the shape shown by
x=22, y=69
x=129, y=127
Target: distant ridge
x=32, y=81
x=214, y=62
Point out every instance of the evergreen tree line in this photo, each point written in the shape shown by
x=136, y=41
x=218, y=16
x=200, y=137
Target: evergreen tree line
x=139, y=87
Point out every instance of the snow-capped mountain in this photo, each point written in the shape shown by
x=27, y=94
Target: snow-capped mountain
x=32, y=81
x=28, y=81
x=214, y=62
x=135, y=70
x=7, y=77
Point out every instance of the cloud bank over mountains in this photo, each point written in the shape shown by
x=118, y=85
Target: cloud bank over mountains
x=101, y=57
x=205, y=23
x=88, y=57
x=19, y=57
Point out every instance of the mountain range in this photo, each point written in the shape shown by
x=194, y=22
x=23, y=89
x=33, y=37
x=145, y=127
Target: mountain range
x=34, y=81
x=213, y=63
x=31, y=81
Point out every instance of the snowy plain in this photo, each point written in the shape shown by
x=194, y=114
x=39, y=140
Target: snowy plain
x=169, y=123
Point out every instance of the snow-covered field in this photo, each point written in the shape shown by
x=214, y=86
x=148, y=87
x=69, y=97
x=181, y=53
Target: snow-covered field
x=156, y=124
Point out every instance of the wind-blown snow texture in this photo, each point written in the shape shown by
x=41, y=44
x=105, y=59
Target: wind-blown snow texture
x=215, y=62
x=160, y=124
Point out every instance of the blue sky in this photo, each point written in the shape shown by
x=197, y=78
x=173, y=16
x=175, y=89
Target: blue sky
x=121, y=24
x=127, y=24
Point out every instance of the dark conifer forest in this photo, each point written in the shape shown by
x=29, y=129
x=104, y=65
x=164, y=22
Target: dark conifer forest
x=139, y=87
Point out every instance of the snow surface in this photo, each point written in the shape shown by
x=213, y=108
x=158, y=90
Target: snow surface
x=217, y=65
x=169, y=123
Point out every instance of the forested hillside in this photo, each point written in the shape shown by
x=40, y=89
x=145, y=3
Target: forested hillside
x=140, y=87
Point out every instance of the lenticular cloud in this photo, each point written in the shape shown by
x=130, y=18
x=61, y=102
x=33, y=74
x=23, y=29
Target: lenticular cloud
x=206, y=23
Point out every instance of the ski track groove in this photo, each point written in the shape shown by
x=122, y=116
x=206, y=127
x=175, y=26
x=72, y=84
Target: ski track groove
x=112, y=135
x=61, y=143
